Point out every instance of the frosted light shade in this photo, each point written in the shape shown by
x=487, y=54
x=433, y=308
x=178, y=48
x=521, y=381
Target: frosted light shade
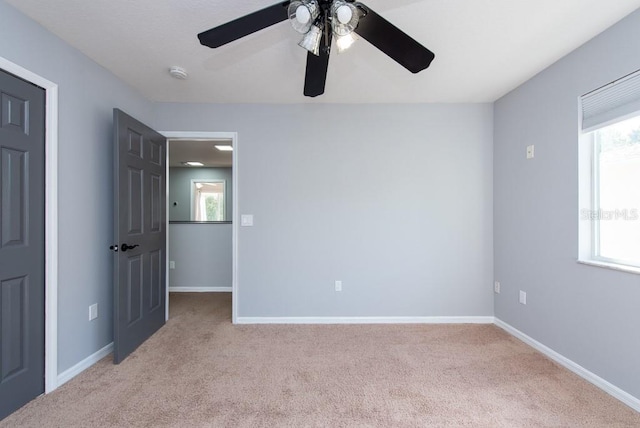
x=344, y=17
x=344, y=14
x=302, y=14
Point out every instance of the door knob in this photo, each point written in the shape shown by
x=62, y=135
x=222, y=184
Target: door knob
x=114, y=248
x=126, y=247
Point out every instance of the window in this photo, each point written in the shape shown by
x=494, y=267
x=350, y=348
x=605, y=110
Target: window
x=208, y=200
x=610, y=175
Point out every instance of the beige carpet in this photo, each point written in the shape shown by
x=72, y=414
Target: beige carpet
x=199, y=370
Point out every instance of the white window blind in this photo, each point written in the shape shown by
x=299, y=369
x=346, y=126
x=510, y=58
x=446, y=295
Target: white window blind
x=611, y=103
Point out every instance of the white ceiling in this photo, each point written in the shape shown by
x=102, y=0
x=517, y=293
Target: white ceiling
x=484, y=48
x=199, y=151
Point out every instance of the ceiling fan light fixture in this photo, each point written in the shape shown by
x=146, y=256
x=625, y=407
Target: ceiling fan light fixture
x=311, y=40
x=344, y=17
x=302, y=14
x=313, y=18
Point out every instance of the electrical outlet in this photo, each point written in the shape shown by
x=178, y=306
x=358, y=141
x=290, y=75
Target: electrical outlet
x=531, y=152
x=338, y=285
x=172, y=264
x=523, y=297
x=496, y=287
x=93, y=311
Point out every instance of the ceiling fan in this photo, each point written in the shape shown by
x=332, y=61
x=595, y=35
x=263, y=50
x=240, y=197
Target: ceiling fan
x=319, y=21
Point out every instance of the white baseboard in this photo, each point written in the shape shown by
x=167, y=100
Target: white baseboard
x=606, y=386
x=74, y=371
x=365, y=320
x=200, y=289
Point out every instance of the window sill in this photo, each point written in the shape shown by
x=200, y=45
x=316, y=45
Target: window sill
x=613, y=266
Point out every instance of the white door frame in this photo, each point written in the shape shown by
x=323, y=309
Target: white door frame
x=235, y=220
x=50, y=222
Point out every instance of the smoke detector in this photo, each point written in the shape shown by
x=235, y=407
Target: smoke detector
x=178, y=73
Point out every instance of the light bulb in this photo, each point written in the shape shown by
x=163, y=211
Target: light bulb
x=344, y=14
x=344, y=42
x=302, y=14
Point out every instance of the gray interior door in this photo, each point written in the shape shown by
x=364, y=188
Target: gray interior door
x=140, y=233
x=22, y=111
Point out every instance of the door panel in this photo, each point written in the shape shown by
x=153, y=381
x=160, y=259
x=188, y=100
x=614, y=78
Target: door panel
x=134, y=288
x=156, y=153
x=135, y=143
x=21, y=242
x=15, y=195
x=156, y=203
x=135, y=211
x=157, y=287
x=139, y=217
x=15, y=113
x=13, y=298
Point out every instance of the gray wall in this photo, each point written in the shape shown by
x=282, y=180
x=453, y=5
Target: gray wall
x=394, y=200
x=588, y=314
x=88, y=93
x=180, y=190
x=202, y=255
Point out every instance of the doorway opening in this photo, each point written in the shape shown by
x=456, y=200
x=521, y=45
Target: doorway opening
x=201, y=215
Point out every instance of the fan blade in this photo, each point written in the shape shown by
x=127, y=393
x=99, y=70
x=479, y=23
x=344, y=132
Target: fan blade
x=316, y=75
x=244, y=26
x=392, y=41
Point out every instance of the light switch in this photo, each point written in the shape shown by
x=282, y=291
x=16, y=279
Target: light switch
x=93, y=311
x=246, y=220
x=523, y=297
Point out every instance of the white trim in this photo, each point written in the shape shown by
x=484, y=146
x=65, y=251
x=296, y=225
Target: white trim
x=166, y=236
x=596, y=380
x=200, y=135
x=51, y=219
x=365, y=320
x=609, y=265
x=74, y=371
x=235, y=219
x=200, y=289
x=205, y=135
x=586, y=196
